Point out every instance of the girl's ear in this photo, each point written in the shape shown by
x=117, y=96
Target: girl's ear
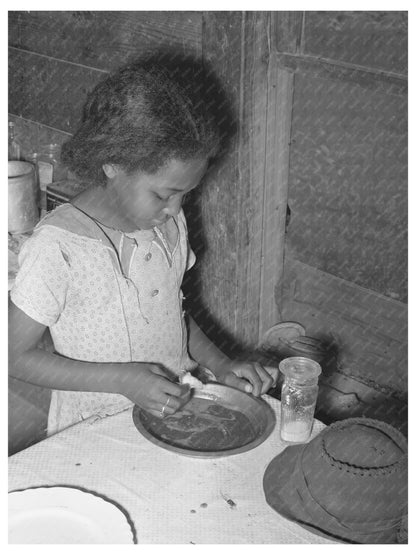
x=110, y=170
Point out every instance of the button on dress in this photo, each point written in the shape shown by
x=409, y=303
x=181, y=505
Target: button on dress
x=106, y=296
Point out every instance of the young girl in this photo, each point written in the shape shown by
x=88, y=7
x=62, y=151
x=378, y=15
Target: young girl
x=104, y=272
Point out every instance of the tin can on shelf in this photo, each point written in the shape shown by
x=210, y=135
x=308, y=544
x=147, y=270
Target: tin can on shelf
x=62, y=192
x=23, y=211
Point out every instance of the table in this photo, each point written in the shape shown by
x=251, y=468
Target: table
x=170, y=498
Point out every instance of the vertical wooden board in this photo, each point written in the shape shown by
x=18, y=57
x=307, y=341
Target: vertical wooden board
x=288, y=31
x=218, y=202
x=252, y=161
x=275, y=195
x=104, y=39
x=374, y=39
x=48, y=91
x=348, y=183
x=244, y=201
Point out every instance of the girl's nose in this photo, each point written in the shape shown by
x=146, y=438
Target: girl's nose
x=174, y=207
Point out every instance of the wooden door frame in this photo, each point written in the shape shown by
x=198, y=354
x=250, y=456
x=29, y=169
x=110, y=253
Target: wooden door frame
x=242, y=48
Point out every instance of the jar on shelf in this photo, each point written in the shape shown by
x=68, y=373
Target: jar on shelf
x=49, y=169
x=48, y=161
x=14, y=145
x=32, y=157
x=298, y=400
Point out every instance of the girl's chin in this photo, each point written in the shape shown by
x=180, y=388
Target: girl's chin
x=149, y=224
x=159, y=222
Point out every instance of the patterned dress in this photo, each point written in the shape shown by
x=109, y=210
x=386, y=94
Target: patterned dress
x=107, y=296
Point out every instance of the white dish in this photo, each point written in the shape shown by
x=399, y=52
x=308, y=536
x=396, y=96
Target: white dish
x=64, y=515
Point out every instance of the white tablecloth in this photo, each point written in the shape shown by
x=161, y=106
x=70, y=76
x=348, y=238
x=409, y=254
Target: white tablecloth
x=171, y=498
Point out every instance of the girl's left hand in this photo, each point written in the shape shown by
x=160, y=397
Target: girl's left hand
x=250, y=377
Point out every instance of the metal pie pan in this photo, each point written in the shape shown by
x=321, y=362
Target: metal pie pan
x=259, y=413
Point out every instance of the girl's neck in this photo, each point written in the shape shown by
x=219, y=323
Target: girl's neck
x=103, y=211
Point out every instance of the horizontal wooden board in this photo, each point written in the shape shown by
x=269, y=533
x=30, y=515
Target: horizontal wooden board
x=343, y=397
x=373, y=39
x=48, y=91
x=367, y=78
x=369, y=330
x=348, y=183
x=104, y=39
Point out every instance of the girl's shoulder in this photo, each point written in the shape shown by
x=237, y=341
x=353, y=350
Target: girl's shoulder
x=59, y=229
x=69, y=221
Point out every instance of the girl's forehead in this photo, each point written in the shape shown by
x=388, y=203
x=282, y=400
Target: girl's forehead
x=179, y=167
x=180, y=174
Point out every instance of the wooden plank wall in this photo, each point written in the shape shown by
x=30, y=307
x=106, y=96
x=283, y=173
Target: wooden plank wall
x=55, y=58
x=346, y=250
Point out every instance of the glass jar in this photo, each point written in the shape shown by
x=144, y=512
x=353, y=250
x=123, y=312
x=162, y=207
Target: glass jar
x=14, y=145
x=48, y=164
x=32, y=157
x=49, y=169
x=298, y=400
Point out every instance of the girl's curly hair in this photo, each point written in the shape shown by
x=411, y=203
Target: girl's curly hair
x=147, y=113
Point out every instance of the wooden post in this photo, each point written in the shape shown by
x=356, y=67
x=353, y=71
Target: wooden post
x=243, y=208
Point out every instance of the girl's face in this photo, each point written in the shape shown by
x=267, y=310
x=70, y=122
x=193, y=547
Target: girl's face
x=142, y=200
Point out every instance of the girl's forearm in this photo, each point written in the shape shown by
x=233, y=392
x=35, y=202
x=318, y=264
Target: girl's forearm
x=50, y=370
x=203, y=351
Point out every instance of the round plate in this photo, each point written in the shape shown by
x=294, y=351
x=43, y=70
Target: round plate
x=212, y=404
x=64, y=515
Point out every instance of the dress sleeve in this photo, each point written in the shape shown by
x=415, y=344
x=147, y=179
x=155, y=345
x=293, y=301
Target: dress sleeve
x=42, y=280
x=191, y=258
x=190, y=255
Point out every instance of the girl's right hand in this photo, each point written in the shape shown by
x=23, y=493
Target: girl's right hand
x=151, y=389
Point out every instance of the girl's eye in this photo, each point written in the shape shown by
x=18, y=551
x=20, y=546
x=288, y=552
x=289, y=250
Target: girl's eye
x=165, y=199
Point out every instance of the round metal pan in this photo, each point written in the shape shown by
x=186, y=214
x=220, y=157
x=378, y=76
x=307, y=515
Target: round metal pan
x=259, y=413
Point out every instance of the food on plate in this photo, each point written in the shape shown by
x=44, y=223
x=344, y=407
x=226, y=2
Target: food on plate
x=202, y=425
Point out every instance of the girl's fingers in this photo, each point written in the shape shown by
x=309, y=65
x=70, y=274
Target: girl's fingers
x=157, y=413
x=260, y=379
x=274, y=373
x=266, y=378
x=233, y=381
x=246, y=379
x=165, y=385
x=167, y=407
x=179, y=392
x=253, y=378
x=172, y=403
